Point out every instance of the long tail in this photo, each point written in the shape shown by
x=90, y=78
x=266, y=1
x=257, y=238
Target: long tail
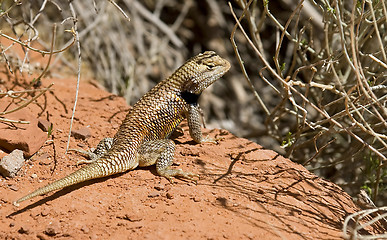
x=85, y=173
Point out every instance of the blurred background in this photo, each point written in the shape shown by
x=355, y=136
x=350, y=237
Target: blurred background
x=308, y=78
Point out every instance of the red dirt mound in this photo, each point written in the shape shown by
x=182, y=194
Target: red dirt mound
x=244, y=191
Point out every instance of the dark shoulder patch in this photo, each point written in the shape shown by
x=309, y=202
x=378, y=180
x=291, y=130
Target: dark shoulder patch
x=190, y=98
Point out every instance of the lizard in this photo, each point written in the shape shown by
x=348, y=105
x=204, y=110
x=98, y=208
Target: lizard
x=143, y=137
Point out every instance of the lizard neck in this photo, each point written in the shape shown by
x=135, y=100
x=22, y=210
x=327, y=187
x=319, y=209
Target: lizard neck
x=190, y=98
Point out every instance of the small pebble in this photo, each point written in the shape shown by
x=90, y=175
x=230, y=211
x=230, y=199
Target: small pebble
x=160, y=187
x=85, y=229
x=153, y=194
x=81, y=133
x=132, y=217
x=44, y=124
x=11, y=164
x=152, y=206
x=41, y=237
x=13, y=187
x=170, y=196
x=52, y=229
x=24, y=230
x=44, y=212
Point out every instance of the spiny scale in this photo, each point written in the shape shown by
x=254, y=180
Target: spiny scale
x=142, y=139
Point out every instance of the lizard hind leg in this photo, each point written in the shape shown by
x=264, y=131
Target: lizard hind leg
x=161, y=153
x=103, y=146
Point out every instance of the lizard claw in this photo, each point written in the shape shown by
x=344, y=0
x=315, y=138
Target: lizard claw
x=169, y=173
x=211, y=140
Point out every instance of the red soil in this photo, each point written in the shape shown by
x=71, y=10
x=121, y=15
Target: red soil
x=244, y=191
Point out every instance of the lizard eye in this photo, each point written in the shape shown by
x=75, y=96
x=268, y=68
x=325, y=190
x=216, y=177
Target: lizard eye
x=210, y=66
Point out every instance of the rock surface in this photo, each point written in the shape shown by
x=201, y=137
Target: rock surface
x=11, y=164
x=81, y=133
x=244, y=191
x=44, y=125
x=27, y=137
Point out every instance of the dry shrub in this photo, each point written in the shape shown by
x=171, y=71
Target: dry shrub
x=326, y=81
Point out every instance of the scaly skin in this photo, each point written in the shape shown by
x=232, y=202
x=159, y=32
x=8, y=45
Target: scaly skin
x=142, y=139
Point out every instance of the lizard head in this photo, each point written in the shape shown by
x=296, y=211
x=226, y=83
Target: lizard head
x=203, y=70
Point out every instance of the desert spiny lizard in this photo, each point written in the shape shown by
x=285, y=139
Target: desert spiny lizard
x=143, y=137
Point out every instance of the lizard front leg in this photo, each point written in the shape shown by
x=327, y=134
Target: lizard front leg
x=194, y=124
x=161, y=152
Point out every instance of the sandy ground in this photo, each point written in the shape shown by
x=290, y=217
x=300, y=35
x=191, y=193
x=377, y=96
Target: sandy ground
x=244, y=191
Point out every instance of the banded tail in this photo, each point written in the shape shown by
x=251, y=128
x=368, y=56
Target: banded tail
x=88, y=172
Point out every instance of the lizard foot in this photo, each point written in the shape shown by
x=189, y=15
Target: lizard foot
x=215, y=140
x=170, y=173
x=91, y=155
